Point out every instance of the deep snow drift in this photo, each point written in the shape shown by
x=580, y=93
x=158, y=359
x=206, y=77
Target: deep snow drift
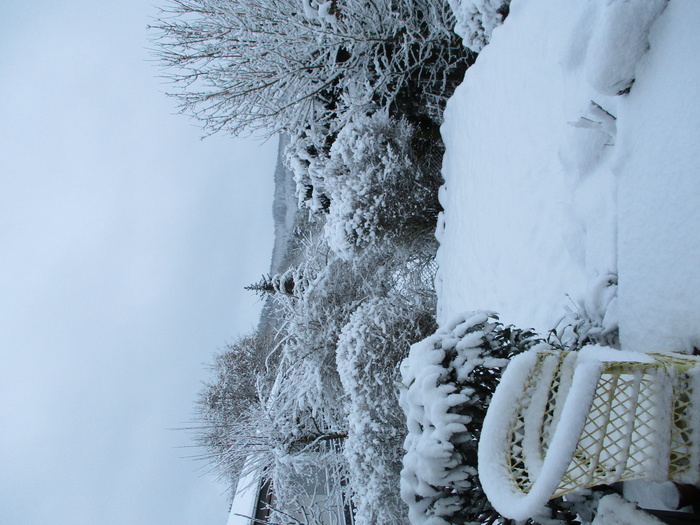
x=553, y=181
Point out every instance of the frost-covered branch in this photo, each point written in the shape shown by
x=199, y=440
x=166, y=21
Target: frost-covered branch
x=274, y=65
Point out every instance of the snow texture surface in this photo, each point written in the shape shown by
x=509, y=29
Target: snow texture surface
x=614, y=510
x=553, y=181
x=573, y=154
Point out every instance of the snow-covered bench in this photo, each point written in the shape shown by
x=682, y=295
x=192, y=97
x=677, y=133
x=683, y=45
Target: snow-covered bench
x=560, y=421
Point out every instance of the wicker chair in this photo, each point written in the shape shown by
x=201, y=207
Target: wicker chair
x=560, y=421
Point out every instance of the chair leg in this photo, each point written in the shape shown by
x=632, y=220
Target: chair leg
x=689, y=495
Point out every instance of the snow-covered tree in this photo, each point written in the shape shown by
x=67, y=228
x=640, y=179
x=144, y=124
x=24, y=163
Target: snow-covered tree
x=250, y=417
x=370, y=347
x=241, y=374
x=290, y=282
x=295, y=64
x=307, y=157
x=371, y=155
x=377, y=186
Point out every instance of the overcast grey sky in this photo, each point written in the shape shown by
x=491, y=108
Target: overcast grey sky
x=126, y=242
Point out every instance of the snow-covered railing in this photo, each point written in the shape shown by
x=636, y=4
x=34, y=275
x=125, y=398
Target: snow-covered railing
x=560, y=421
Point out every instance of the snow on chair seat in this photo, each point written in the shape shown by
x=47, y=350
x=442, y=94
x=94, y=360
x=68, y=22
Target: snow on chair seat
x=560, y=421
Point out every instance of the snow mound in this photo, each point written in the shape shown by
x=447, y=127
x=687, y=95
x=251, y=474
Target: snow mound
x=657, y=161
x=520, y=230
x=619, y=40
x=614, y=510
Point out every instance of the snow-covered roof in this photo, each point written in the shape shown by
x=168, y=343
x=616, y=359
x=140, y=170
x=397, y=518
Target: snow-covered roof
x=245, y=500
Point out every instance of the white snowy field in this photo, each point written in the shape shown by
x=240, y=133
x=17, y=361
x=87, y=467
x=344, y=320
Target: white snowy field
x=554, y=182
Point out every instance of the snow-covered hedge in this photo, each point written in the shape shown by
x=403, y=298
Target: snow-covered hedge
x=449, y=379
x=307, y=160
x=370, y=348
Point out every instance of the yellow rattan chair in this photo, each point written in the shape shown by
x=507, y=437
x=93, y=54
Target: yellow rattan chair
x=560, y=421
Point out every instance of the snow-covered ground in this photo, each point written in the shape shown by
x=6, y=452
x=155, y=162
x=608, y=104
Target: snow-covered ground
x=553, y=182
x=572, y=158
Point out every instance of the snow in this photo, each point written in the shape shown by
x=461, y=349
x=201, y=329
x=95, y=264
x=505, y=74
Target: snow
x=519, y=231
x=320, y=10
x=244, y=500
x=553, y=183
x=572, y=161
x=652, y=495
x=657, y=165
x=623, y=26
x=614, y=510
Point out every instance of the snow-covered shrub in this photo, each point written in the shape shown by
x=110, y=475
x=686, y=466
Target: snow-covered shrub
x=370, y=347
x=449, y=379
x=317, y=297
x=476, y=20
x=326, y=291
x=620, y=38
x=591, y=319
x=306, y=156
x=376, y=186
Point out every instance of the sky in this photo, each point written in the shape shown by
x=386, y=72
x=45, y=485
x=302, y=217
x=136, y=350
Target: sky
x=126, y=242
